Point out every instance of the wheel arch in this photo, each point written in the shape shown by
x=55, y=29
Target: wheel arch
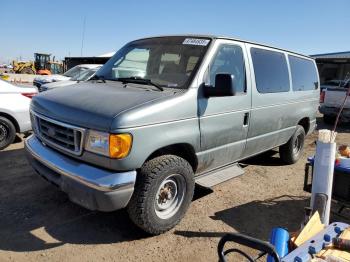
x=305, y=123
x=12, y=119
x=184, y=150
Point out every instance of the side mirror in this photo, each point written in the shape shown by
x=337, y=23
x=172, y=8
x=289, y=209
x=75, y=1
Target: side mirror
x=224, y=86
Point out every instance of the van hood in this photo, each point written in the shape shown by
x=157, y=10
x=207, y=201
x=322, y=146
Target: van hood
x=93, y=105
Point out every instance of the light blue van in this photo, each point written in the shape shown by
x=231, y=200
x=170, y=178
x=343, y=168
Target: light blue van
x=166, y=112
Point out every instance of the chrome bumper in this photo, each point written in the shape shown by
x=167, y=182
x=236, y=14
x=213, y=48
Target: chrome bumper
x=92, y=187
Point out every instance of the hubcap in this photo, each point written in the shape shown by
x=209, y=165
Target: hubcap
x=3, y=133
x=170, y=196
x=298, y=143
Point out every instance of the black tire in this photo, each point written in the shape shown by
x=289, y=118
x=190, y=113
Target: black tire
x=330, y=120
x=144, y=209
x=7, y=132
x=293, y=149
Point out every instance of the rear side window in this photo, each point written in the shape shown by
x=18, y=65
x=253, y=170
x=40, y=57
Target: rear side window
x=271, y=71
x=304, y=74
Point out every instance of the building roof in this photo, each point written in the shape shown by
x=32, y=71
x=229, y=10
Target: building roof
x=338, y=55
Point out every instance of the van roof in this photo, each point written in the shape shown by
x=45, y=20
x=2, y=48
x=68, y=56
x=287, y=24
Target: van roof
x=230, y=38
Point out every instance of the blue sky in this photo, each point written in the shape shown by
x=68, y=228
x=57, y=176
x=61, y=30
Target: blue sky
x=306, y=26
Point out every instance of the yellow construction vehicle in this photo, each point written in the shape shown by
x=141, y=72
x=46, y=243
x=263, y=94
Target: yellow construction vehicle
x=23, y=67
x=45, y=66
x=42, y=65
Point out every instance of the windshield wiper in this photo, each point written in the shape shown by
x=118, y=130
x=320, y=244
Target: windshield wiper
x=139, y=80
x=97, y=77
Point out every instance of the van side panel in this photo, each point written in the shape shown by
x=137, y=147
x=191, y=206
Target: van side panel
x=274, y=116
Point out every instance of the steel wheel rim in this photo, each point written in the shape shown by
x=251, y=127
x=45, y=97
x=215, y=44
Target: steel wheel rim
x=3, y=133
x=170, y=196
x=297, y=144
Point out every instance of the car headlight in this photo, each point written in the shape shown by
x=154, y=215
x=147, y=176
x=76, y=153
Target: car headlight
x=111, y=145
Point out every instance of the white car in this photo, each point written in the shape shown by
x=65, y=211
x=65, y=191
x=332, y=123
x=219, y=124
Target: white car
x=83, y=76
x=14, y=111
x=76, y=70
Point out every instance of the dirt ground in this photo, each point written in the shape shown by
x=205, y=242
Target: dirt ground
x=39, y=223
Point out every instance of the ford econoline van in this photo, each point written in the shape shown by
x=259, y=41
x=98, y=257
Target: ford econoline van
x=165, y=113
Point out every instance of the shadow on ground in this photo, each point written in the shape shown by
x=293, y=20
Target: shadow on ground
x=269, y=158
x=35, y=215
x=257, y=218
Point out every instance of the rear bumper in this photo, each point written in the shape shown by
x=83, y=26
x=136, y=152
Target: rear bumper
x=333, y=111
x=89, y=186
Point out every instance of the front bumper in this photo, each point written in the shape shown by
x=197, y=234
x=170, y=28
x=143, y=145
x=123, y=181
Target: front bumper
x=89, y=186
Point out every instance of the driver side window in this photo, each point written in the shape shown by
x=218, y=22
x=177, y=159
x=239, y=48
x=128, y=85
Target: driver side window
x=228, y=60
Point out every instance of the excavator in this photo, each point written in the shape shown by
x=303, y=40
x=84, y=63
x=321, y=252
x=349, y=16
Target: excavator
x=42, y=65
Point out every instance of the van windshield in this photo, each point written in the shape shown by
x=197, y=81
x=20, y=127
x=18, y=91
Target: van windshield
x=169, y=62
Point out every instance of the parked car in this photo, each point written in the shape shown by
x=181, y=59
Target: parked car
x=84, y=76
x=333, y=83
x=332, y=98
x=74, y=71
x=14, y=111
x=203, y=104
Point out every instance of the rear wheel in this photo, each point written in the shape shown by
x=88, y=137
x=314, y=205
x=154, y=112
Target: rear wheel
x=7, y=132
x=293, y=149
x=163, y=192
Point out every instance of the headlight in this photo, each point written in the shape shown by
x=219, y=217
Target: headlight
x=111, y=145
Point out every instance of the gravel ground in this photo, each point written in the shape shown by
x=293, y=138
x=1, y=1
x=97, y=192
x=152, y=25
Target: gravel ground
x=39, y=223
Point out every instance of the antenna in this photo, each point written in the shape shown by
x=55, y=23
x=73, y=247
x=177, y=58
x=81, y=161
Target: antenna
x=83, y=36
x=82, y=43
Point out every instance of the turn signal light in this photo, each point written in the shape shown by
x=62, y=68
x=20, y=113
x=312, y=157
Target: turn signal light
x=119, y=145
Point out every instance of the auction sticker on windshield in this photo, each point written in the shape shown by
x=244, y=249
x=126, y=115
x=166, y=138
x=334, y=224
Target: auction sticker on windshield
x=195, y=41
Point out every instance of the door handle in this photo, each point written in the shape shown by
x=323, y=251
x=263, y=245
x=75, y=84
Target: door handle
x=246, y=119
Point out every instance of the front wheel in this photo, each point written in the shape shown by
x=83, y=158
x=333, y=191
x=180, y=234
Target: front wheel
x=163, y=192
x=293, y=149
x=7, y=132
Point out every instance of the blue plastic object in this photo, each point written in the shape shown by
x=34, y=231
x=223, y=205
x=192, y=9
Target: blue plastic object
x=336, y=167
x=327, y=238
x=279, y=238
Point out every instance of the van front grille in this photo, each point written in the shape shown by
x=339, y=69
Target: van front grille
x=58, y=135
